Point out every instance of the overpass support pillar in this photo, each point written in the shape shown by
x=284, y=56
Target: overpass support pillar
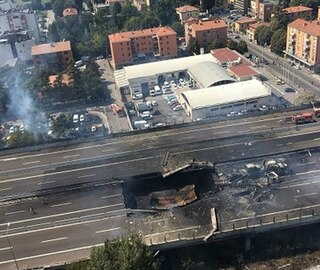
x=248, y=244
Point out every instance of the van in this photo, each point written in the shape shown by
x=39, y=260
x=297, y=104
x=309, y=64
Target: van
x=157, y=90
x=139, y=124
x=75, y=118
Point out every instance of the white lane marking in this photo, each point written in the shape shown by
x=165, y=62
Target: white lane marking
x=86, y=176
x=111, y=196
x=109, y=230
x=257, y=127
x=63, y=214
x=31, y=162
x=304, y=164
x=316, y=139
x=51, y=253
x=4, y=189
x=5, y=248
x=107, y=150
x=62, y=226
x=173, y=231
x=289, y=143
x=54, y=240
x=308, y=172
x=9, y=159
x=307, y=194
x=158, y=135
x=274, y=213
x=72, y=156
x=46, y=182
x=61, y=204
x=79, y=169
x=221, y=132
x=14, y=212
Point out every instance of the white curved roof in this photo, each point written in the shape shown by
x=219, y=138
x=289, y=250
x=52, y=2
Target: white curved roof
x=165, y=66
x=225, y=94
x=208, y=74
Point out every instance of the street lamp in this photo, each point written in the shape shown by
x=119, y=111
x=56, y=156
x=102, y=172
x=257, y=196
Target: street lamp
x=9, y=243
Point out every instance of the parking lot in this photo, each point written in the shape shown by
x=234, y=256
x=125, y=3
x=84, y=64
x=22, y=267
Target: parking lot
x=160, y=108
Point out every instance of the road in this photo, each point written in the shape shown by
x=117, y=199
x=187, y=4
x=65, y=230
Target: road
x=282, y=68
x=49, y=228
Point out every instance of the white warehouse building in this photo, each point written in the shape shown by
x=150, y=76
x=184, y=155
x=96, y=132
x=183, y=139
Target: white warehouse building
x=223, y=99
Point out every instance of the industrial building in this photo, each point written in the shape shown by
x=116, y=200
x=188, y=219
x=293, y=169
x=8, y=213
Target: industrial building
x=223, y=99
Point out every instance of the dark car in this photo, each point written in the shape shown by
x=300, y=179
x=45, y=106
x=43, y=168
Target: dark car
x=289, y=90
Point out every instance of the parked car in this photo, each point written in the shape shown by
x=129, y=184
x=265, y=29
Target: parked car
x=75, y=118
x=177, y=108
x=289, y=90
x=81, y=118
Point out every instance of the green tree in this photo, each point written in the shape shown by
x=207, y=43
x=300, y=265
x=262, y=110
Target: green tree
x=123, y=253
x=165, y=11
x=19, y=139
x=280, y=19
x=263, y=35
x=62, y=123
x=36, y=5
x=58, y=7
x=4, y=98
x=53, y=32
x=305, y=98
x=116, y=8
x=207, y=4
x=232, y=45
x=216, y=45
x=242, y=47
x=149, y=22
x=177, y=26
x=132, y=24
x=78, y=4
x=193, y=47
x=278, y=41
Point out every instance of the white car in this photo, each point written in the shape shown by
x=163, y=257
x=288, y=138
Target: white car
x=12, y=129
x=152, y=93
x=177, y=108
x=93, y=129
x=81, y=118
x=154, y=103
x=75, y=118
x=137, y=96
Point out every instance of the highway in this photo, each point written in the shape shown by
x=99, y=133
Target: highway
x=53, y=226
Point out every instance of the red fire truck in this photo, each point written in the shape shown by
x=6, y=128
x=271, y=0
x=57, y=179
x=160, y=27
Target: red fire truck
x=302, y=118
x=118, y=110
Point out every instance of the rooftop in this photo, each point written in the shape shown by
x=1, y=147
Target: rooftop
x=126, y=36
x=225, y=94
x=51, y=48
x=186, y=8
x=209, y=73
x=296, y=9
x=66, y=79
x=242, y=70
x=203, y=25
x=312, y=28
x=246, y=20
x=257, y=24
x=166, y=66
x=70, y=12
x=225, y=55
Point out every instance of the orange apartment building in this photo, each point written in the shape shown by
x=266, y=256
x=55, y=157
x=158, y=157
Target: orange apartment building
x=52, y=53
x=159, y=42
x=186, y=12
x=298, y=11
x=303, y=43
x=206, y=31
x=252, y=29
x=241, y=26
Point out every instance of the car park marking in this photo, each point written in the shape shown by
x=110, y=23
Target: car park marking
x=61, y=204
x=54, y=240
x=5, y=248
x=14, y=212
x=109, y=230
x=31, y=162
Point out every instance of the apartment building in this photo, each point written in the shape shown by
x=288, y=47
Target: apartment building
x=5, y=5
x=160, y=42
x=185, y=12
x=253, y=8
x=303, y=43
x=252, y=28
x=242, y=5
x=241, y=26
x=265, y=11
x=58, y=53
x=17, y=20
x=296, y=12
x=206, y=31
